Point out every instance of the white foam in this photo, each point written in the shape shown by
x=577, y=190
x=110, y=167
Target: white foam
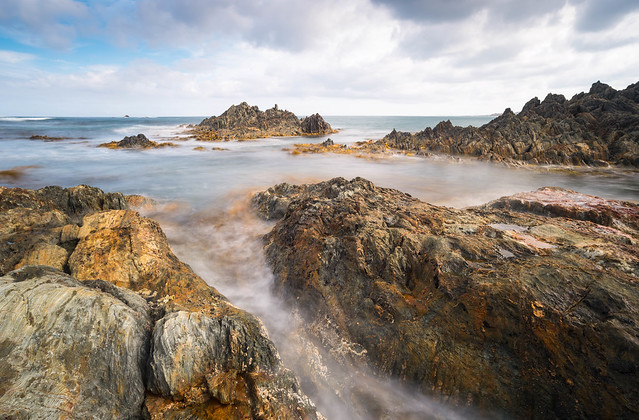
x=151, y=131
x=17, y=119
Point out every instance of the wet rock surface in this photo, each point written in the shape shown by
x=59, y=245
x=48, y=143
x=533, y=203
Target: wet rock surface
x=497, y=307
x=243, y=122
x=194, y=353
x=589, y=129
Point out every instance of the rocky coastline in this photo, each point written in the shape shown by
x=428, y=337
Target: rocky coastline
x=99, y=319
x=245, y=122
x=525, y=307
x=596, y=128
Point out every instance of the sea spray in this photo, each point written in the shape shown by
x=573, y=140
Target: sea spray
x=223, y=245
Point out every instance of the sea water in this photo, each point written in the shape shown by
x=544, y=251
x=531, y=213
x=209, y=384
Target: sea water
x=206, y=217
x=200, y=178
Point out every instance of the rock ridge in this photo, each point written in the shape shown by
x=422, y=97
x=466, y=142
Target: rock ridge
x=594, y=128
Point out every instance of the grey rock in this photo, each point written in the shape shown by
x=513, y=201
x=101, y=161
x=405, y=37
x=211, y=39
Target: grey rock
x=69, y=351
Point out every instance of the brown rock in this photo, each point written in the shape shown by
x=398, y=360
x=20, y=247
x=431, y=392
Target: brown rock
x=315, y=124
x=46, y=254
x=207, y=358
x=243, y=122
x=506, y=311
x=35, y=222
x=136, y=142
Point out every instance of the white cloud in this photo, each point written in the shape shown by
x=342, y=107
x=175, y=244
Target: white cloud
x=13, y=57
x=353, y=57
x=51, y=23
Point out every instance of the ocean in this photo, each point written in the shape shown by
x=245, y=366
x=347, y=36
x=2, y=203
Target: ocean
x=202, y=177
x=204, y=211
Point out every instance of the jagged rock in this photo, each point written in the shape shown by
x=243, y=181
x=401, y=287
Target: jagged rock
x=504, y=310
x=244, y=122
x=135, y=142
x=315, y=124
x=208, y=359
x=599, y=126
x=68, y=350
x=328, y=142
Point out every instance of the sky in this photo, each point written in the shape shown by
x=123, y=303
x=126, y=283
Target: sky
x=335, y=57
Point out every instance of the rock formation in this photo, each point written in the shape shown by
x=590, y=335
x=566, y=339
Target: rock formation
x=99, y=319
x=135, y=142
x=525, y=307
x=590, y=129
x=242, y=122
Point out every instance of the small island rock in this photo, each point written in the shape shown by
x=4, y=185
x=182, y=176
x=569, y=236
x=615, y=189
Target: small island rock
x=243, y=122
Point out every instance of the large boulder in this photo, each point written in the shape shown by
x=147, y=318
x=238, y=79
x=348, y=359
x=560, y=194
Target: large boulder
x=38, y=226
x=502, y=309
x=69, y=349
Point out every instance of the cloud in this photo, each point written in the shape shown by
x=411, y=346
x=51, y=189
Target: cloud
x=355, y=57
x=438, y=11
x=288, y=25
x=48, y=23
x=598, y=15
x=13, y=57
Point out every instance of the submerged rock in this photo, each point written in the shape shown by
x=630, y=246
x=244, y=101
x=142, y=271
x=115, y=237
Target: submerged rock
x=589, y=129
x=242, y=122
x=194, y=353
x=504, y=310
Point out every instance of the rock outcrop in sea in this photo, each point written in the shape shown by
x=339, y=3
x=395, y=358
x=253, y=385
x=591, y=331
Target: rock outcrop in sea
x=135, y=142
x=99, y=319
x=525, y=307
x=594, y=128
x=243, y=122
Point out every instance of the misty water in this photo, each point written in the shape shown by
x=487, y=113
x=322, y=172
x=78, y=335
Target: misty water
x=204, y=211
